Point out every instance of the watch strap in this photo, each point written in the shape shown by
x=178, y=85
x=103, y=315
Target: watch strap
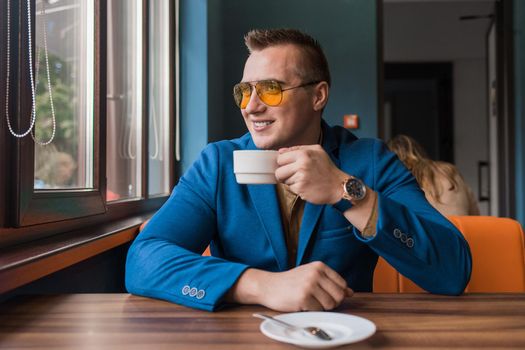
x=343, y=205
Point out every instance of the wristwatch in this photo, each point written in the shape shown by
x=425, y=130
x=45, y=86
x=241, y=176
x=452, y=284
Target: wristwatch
x=354, y=190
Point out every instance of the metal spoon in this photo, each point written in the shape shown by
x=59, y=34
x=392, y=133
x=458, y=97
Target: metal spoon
x=315, y=331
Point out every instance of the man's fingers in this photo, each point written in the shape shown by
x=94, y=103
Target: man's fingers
x=336, y=293
x=324, y=298
x=287, y=158
x=291, y=154
x=284, y=172
x=330, y=288
x=313, y=303
x=335, y=277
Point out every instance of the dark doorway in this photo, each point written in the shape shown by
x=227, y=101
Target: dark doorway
x=418, y=103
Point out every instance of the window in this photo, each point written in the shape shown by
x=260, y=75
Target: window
x=103, y=138
x=64, y=61
x=125, y=109
x=124, y=98
x=159, y=163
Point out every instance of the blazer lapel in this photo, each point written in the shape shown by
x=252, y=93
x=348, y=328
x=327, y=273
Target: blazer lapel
x=312, y=212
x=311, y=215
x=264, y=198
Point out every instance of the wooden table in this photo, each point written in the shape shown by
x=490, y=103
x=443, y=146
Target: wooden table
x=123, y=321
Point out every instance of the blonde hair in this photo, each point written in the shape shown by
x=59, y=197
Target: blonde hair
x=47, y=160
x=423, y=168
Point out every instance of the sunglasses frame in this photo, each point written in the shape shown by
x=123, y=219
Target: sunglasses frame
x=253, y=84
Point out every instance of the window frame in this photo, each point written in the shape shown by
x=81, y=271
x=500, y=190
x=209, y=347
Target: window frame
x=38, y=207
x=5, y=144
x=26, y=214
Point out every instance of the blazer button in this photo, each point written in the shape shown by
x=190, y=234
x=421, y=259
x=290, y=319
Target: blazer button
x=200, y=294
x=397, y=233
x=403, y=238
x=185, y=290
x=193, y=292
x=410, y=242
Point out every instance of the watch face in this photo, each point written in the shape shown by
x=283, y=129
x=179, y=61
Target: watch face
x=356, y=189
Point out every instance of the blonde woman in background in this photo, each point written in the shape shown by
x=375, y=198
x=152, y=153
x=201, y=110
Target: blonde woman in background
x=53, y=168
x=444, y=187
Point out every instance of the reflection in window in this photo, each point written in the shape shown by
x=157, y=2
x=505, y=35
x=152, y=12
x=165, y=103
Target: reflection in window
x=159, y=98
x=124, y=99
x=68, y=28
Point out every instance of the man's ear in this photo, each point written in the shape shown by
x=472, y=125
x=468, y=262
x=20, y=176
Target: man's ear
x=320, y=96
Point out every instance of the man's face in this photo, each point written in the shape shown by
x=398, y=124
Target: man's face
x=294, y=121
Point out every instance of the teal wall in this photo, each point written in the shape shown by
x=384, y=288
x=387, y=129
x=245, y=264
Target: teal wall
x=519, y=65
x=213, y=56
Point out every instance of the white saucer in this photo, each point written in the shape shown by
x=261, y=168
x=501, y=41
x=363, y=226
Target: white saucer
x=343, y=328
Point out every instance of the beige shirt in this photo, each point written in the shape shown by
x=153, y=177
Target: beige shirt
x=460, y=201
x=292, y=208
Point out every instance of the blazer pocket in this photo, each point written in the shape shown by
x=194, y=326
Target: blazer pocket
x=335, y=233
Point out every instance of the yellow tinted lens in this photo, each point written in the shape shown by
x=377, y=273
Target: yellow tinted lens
x=269, y=92
x=241, y=94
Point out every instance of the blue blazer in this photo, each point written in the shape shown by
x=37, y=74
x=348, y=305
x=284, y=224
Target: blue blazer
x=242, y=223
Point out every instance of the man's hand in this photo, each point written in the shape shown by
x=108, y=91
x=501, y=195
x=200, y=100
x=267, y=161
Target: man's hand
x=313, y=286
x=310, y=173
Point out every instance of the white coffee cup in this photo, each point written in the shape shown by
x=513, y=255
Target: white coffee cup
x=255, y=167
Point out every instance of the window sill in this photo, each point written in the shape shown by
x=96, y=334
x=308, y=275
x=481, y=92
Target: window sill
x=25, y=263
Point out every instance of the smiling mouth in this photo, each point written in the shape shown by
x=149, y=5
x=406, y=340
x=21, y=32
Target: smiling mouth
x=261, y=125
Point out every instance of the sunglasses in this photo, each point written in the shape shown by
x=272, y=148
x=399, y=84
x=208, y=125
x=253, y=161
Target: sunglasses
x=270, y=92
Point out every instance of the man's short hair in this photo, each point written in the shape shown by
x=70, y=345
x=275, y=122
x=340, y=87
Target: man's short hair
x=316, y=68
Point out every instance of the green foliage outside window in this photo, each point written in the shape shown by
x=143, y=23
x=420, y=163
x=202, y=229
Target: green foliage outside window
x=55, y=163
x=64, y=100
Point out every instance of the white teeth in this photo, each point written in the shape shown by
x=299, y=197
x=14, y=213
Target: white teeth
x=261, y=124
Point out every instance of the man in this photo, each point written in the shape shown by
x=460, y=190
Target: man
x=307, y=242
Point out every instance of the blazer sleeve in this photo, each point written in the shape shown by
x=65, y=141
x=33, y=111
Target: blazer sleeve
x=165, y=260
x=413, y=236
